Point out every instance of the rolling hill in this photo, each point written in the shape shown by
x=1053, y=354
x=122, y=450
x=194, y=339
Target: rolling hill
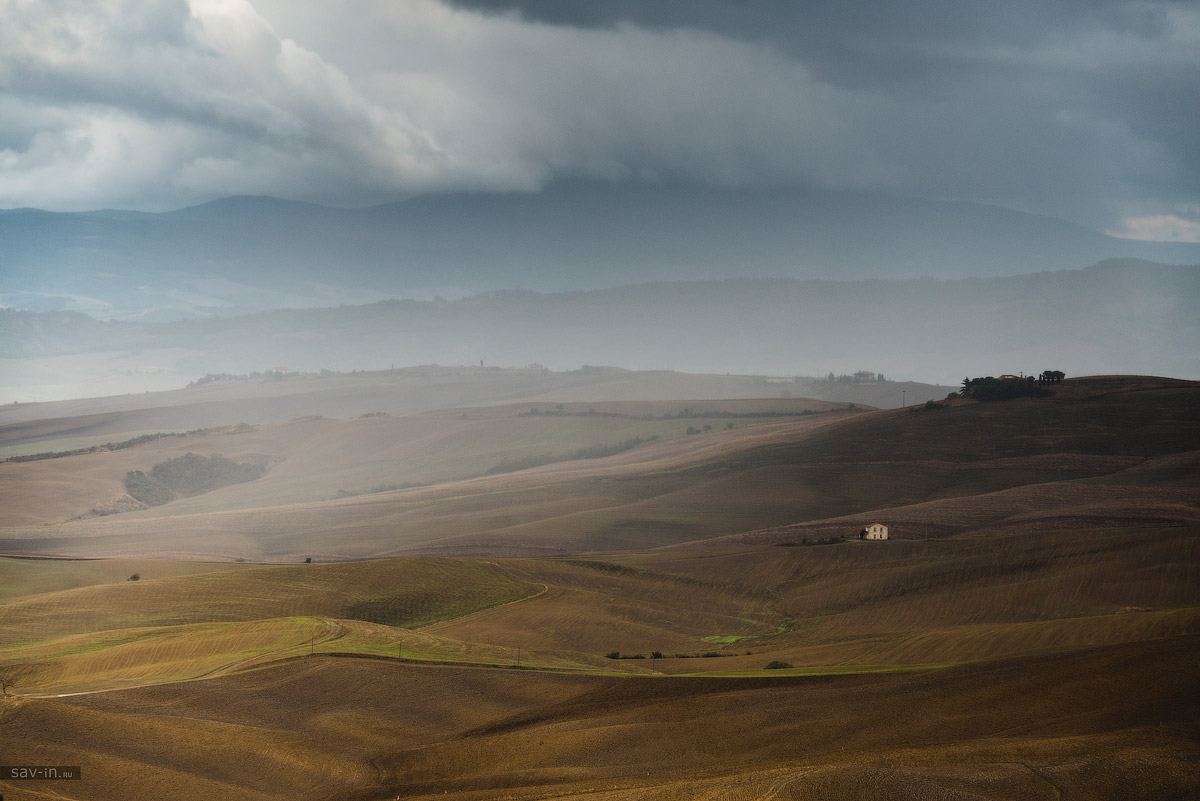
x=1093, y=724
x=400, y=391
x=942, y=469
x=691, y=616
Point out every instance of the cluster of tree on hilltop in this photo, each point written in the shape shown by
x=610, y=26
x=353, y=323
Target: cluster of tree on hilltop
x=861, y=377
x=1010, y=386
x=275, y=374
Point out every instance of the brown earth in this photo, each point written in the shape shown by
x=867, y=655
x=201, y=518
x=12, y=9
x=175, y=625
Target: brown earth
x=1029, y=632
x=1110, y=722
x=1095, y=454
x=412, y=389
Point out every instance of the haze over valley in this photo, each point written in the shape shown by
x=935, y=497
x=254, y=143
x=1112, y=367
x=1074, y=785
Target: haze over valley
x=480, y=399
x=1113, y=317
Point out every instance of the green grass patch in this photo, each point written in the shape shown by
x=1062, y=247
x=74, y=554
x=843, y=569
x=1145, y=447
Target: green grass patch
x=407, y=592
x=24, y=577
x=821, y=670
x=129, y=657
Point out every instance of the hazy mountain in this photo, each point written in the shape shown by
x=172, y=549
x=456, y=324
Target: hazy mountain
x=254, y=253
x=1113, y=317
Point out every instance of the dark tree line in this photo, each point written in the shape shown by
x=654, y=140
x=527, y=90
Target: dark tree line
x=1005, y=387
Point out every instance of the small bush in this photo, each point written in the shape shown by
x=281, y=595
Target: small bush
x=134, y=577
x=613, y=655
x=777, y=665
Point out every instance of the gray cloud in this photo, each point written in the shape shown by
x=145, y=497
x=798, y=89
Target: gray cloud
x=1080, y=109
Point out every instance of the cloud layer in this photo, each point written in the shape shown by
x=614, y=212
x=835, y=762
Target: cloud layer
x=1076, y=110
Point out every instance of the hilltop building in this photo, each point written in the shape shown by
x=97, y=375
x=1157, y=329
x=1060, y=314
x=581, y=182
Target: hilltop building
x=875, y=531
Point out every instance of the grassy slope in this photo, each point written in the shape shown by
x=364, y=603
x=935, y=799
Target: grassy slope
x=20, y=577
x=598, y=607
x=1000, y=578
x=1085, y=581
x=1084, y=453
x=1110, y=722
x=405, y=592
x=312, y=459
x=129, y=657
x=908, y=601
x=391, y=522
x=963, y=730
x=300, y=730
x=855, y=604
x=122, y=658
x=894, y=603
x=572, y=613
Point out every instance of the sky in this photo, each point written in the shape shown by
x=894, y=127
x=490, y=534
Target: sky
x=1080, y=109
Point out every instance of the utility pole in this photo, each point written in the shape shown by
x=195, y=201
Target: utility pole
x=903, y=399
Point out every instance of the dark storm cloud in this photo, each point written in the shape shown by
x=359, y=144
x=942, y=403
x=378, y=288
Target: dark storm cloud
x=863, y=43
x=1080, y=109
x=1039, y=105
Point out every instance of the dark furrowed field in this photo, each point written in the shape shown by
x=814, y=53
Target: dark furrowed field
x=1092, y=724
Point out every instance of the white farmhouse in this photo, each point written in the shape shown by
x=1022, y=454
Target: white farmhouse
x=875, y=531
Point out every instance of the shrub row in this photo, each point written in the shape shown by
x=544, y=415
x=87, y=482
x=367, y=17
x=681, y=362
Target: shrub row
x=661, y=655
x=108, y=446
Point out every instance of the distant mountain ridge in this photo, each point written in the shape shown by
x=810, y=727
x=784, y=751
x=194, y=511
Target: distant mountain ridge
x=1114, y=317
x=243, y=254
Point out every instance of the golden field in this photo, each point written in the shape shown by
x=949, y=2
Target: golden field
x=1030, y=630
